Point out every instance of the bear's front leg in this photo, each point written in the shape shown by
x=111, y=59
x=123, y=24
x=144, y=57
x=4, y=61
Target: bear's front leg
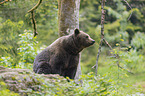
x=71, y=72
x=43, y=68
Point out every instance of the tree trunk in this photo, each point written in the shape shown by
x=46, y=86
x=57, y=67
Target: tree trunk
x=69, y=20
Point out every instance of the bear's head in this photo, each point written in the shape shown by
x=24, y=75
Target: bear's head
x=83, y=39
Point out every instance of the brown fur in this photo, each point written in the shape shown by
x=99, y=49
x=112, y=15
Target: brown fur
x=62, y=56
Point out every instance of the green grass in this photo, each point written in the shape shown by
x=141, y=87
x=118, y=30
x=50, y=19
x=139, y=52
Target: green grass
x=137, y=80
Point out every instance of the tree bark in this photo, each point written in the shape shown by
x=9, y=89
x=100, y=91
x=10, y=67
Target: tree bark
x=68, y=16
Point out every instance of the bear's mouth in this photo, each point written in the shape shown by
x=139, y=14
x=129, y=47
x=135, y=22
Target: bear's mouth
x=93, y=42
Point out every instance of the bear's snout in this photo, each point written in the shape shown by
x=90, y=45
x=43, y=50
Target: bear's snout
x=93, y=42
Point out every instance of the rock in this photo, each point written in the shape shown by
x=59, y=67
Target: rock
x=25, y=81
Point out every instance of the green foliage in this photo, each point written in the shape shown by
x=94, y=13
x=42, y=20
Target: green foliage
x=138, y=41
x=6, y=92
x=18, y=48
x=118, y=29
x=14, y=19
x=45, y=16
x=9, y=31
x=6, y=62
x=131, y=61
x=27, y=50
x=92, y=86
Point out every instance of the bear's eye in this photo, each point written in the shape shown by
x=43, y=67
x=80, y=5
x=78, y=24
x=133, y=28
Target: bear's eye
x=87, y=36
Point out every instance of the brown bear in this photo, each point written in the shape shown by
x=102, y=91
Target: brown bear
x=62, y=56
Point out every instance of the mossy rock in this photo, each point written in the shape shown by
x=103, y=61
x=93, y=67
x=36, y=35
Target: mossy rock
x=24, y=81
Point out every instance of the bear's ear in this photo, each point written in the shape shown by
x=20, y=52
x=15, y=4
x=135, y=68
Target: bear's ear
x=76, y=31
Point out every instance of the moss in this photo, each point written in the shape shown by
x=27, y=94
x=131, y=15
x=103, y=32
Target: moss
x=24, y=81
x=13, y=78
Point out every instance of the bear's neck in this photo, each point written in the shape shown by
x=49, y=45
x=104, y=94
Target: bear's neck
x=72, y=46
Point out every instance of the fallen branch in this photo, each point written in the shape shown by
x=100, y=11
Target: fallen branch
x=33, y=18
x=108, y=44
x=130, y=8
x=102, y=33
x=103, y=39
x=34, y=24
x=36, y=6
x=4, y=2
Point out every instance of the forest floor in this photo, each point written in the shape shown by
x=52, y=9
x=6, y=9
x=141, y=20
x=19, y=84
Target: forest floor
x=137, y=79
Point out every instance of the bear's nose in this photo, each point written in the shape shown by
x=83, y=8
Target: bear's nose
x=93, y=41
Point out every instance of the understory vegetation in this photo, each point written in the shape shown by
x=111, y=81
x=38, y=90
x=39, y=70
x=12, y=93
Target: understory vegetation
x=121, y=76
